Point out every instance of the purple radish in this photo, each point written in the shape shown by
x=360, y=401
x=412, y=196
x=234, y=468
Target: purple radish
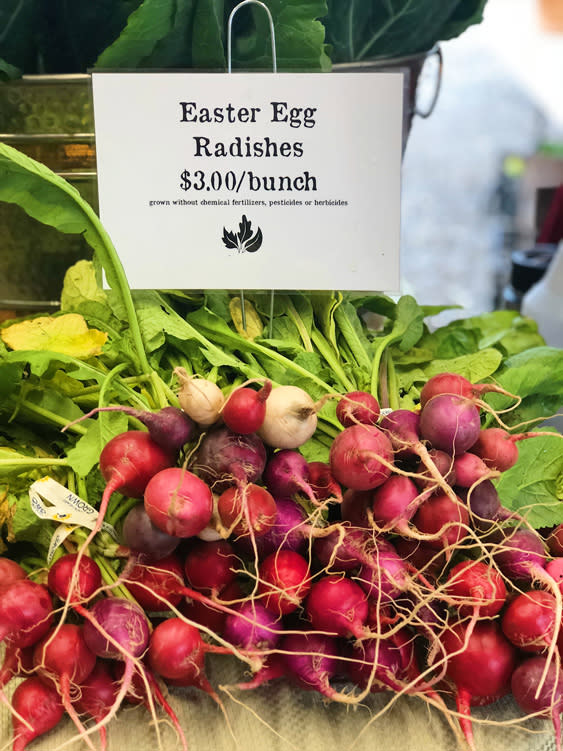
x=453, y=383
x=450, y=423
x=548, y=700
x=287, y=473
x=252, y=627
x=225, y=458
x=145, y=539
x=312, y=660
x=170, y=427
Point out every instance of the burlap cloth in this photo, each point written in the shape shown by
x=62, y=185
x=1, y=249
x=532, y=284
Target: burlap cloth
x=279, y=717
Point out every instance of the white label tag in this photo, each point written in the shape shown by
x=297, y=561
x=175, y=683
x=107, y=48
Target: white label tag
x=251, y=180
x=52, y=501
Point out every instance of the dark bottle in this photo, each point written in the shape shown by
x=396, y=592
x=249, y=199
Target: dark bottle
x=527, y=268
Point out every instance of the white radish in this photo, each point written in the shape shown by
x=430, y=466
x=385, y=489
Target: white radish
x=291, y=418
x=202, y=400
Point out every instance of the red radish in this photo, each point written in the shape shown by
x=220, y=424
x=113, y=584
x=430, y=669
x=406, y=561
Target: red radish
x=361, y=457
x=26, y=612
x=248, y=510
x=386, y=662
x=178, y=502
x=337, y=605
x=450, y=423
x=127, y=463
x=177, y=653
x=210, y=567
x=252, y=627
x=86, y=573
x=10, y=571
x=323, y=484
x=213, y=618
x=444, y=522
x=525, y=682
x=141, y=536
x=395, y=503
x=354, y=507
x=357, y=407
x=421, y=556
x=469, y=469
x=287, y=473
x=225, y=458
x=497, y=447
x=480, y=662
x=170, y=427
x=529, y=620
x=453, y=383
x=156, y=584
x=200, y=398
x=284, y=581
x=245, y=409
x=473, y=584
x=274, y=667
x=291, y=418
x=63, y=658
x=97, y=696
x=41, y=708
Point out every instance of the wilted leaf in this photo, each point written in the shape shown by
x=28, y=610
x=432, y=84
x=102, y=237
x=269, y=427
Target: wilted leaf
x=253, y=321
x=80, y=284
x=67, y=334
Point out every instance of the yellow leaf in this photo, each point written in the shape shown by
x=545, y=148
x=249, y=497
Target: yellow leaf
x=254, y=326
x=67, y=334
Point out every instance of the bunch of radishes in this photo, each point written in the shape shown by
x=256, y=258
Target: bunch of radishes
x=392, y=567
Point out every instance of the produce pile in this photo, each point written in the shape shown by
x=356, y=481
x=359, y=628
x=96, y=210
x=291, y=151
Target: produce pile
x=318, y=487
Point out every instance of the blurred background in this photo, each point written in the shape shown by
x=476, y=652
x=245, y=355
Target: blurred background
x=480, y=172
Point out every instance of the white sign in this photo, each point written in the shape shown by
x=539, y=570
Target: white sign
x=251, y=180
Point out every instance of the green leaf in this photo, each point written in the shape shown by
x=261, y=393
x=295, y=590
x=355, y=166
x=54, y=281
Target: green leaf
x=299, y=34
x=85, y=454
x=359, y=30
x=207, y=44
x=533, y=375
x=147, y=25
x=534, y=485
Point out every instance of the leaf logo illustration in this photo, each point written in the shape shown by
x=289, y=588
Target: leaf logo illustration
x=243, y=240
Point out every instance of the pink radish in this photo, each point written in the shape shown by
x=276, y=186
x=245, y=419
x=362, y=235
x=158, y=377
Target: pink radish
x=245, y=409
x=361, y=457
x=178, y=502
x=497, y=447
x=10, y=571
x=443, y=522
x=395, y=503
x=323, y=484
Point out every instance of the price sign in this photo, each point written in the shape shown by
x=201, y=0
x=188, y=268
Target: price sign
x=251, y=181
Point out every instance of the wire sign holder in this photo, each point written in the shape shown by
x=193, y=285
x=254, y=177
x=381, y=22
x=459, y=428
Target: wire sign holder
x=274, y=70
